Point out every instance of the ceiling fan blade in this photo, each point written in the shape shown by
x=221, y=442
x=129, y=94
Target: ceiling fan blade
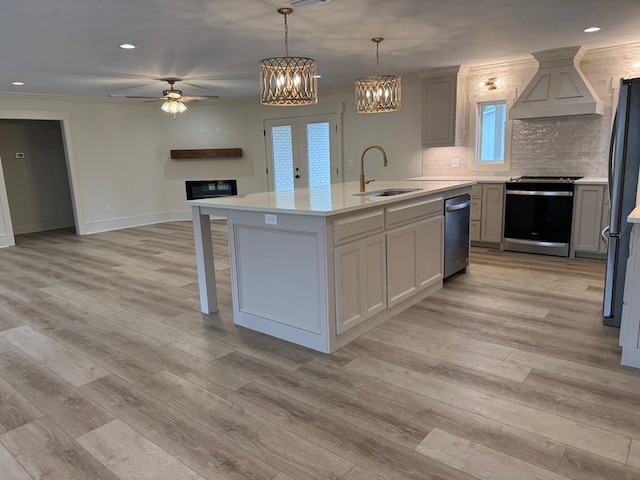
x=188, y=98
x=134, y=96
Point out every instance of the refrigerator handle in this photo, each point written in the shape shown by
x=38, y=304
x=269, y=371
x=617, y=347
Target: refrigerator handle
x=612, y=148
x=605, y=234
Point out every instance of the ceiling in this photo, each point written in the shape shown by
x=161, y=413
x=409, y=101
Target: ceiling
x=71, y=47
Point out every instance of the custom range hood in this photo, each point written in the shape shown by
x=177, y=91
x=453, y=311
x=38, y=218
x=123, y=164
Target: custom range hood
x=558, y=88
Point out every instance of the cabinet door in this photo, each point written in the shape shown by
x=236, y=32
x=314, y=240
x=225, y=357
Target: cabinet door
x=588, y=218
x=402, y=263
x=492, y=213
x=474, y=234
x=360, y=281
x=430, y=250
x=439, y=112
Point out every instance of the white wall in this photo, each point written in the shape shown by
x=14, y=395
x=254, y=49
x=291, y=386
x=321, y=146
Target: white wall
x=121, y=151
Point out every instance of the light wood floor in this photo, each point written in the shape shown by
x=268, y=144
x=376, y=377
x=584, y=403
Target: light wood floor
x=108, y=370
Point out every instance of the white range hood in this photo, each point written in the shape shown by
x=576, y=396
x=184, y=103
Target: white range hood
x=558, y=88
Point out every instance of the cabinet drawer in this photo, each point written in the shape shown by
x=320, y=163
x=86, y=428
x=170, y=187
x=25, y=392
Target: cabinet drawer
x=404, y=213
x=354, y=227
x=476, y=191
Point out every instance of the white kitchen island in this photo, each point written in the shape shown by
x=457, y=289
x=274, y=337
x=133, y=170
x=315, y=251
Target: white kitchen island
x=320, y=266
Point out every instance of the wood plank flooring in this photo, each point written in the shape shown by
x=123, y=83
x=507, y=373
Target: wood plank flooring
x=108, y=370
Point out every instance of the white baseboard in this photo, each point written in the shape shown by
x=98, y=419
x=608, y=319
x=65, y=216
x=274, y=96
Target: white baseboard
x=134, y=221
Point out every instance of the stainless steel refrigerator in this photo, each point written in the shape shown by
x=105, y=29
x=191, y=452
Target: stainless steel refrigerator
x=624, y=163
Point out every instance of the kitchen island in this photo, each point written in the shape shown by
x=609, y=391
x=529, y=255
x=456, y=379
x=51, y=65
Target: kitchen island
x=320, y=266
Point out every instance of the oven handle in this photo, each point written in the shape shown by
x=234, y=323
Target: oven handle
x=541, y=194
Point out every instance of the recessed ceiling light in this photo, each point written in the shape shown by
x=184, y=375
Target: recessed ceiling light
x=128, y=46
x=17, y=84
x=591, y=29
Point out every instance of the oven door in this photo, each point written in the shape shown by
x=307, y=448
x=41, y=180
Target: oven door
x=538, y=221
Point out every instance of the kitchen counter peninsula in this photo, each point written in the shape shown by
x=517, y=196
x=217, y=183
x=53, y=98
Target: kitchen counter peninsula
x=320, y=266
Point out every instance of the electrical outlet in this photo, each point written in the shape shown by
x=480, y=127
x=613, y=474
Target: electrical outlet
x=203, y=130
x=455, y=163
x=270, y=219
x=218, y=130
x=107, y=209
x=350, y=163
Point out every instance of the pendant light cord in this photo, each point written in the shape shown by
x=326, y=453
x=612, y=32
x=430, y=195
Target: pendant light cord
x=286, y=36
x=377, y=58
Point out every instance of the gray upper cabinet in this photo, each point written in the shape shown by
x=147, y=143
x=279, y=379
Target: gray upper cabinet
x=443, y=96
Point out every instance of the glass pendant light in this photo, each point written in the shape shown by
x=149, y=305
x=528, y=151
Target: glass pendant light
x=378, y=93
x=288, y=81
x=173, y=106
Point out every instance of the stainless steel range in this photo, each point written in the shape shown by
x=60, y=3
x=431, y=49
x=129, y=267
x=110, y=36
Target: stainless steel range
x=537, y=214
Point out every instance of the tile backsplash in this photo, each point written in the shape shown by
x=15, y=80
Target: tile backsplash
x=577, y=145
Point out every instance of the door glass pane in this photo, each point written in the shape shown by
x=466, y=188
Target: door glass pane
x=319, y=154
x=282, y=157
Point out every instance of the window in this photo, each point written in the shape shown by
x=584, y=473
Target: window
x=492, y=136
x=491, y=132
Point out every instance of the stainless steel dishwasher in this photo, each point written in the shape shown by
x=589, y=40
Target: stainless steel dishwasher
x=457, y=211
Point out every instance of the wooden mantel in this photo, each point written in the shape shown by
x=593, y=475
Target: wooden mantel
x=206, y=153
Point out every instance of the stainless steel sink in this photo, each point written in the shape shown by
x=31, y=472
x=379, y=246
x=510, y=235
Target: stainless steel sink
x=388, y=192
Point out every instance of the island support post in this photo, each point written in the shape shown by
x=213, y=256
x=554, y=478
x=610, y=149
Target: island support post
x=204, y=261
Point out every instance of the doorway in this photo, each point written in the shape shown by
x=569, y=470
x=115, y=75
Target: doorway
x=302, y=152
x=36, y=177
x=61, y=122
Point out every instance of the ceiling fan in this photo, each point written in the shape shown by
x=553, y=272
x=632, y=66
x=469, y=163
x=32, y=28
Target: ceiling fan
x=174, y=100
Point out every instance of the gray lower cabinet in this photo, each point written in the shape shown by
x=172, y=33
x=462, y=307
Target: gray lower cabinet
x=487, y=215
x=590, y=215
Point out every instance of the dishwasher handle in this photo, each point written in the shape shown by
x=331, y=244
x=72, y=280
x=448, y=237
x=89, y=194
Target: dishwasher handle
x=458, y=206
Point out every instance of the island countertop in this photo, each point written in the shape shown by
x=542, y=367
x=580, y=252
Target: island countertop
x=330, y=199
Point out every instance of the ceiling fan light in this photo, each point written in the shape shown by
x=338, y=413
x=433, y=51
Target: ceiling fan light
x=173, y=107
x=288, y=81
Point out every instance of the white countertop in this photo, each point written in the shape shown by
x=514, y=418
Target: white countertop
x=480, y=179
x=330, y=199
x=592, y=181
x=634, y=216
x=477, y=179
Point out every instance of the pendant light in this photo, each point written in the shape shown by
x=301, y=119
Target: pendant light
x=288, y=81
x=378, y=93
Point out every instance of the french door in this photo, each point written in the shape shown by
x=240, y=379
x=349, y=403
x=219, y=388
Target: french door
x=302, y=152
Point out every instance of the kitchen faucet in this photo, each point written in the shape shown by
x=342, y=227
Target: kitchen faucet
x=363, y=182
